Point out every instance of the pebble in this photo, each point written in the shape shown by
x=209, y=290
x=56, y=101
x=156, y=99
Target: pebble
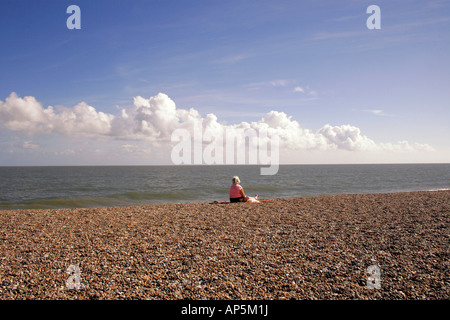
x=299, y=248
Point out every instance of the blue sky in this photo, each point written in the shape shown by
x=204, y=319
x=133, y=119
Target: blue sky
x=314, y=61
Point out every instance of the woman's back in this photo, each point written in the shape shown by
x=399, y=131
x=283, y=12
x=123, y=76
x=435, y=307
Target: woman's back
x=235, y=191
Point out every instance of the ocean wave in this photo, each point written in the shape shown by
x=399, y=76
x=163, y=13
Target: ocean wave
x=168, y=195
x=51, y=187
x=57, y=204
x=118, y=199
x=439, y=189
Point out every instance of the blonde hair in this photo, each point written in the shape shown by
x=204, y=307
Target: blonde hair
x=236, y=180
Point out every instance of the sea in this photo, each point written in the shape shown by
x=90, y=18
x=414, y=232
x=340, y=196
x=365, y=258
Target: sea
x=100, y=186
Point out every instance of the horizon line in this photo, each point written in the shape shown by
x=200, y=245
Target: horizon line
x=218, y=165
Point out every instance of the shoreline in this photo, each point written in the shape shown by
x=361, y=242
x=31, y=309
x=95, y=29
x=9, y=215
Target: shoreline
x=212, y=201
x=315, y=247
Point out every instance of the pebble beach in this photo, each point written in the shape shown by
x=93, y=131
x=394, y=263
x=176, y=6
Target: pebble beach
x=300, y=248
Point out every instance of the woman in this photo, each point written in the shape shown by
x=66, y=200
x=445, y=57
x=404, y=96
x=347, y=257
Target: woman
x=237, y=193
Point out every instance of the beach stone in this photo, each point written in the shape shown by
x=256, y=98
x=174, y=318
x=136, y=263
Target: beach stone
x=299, y=248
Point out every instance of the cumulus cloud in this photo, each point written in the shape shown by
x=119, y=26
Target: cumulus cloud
x=81, y=120
x=155, y=119
x=346, y=137
x=24, y=114
x=27, y=115
x=152, y=119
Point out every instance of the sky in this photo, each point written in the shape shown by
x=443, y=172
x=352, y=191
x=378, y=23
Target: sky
x=310, y=72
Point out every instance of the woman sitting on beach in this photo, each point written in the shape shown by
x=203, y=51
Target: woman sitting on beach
x=237, y=193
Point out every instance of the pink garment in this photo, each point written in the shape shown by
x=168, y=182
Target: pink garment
x=235, y=191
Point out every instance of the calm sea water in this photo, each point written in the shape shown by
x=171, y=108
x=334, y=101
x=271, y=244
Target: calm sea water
x=65, y=187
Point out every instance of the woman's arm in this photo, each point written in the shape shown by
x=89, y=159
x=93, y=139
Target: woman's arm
x=242, y=193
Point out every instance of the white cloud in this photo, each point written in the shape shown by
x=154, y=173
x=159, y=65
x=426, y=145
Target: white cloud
x=378, y=112
x=27, y=115
x=154, y=119
x=30, y=145
x=23, y=114
x=81, y=120
x=346, y=137
x=405, y=146
x=279, y=83
x=306, y=90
